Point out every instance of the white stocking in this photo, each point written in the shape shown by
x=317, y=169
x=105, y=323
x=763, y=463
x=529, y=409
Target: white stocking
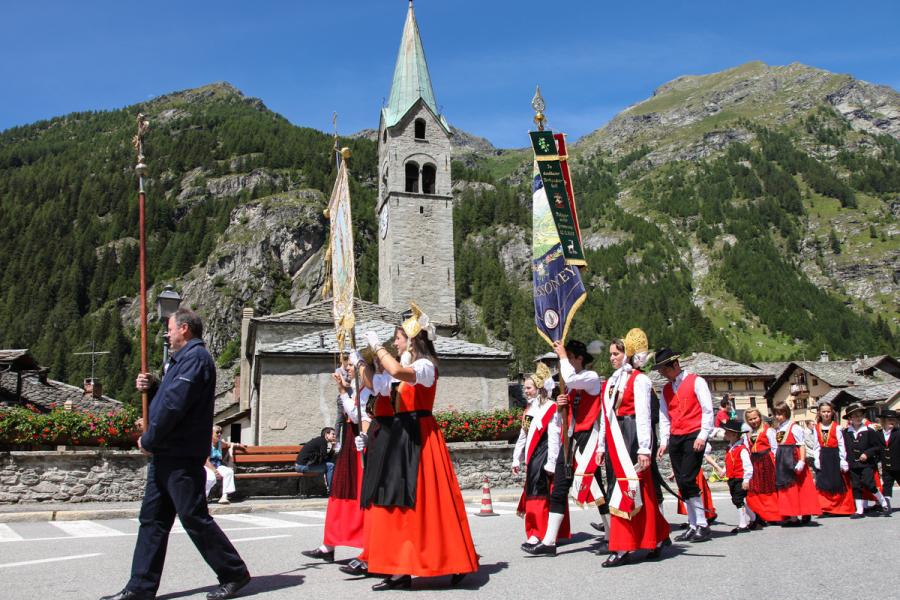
x=554, y=521
x=700, y=514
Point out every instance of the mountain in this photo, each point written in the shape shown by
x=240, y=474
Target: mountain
x=751, y=213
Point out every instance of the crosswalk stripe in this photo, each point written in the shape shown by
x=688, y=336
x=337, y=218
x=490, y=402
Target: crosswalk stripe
x=258, y=521
x=474, y=510
x=7, y=534
x=262, y=537
x=176, y=526
x=86, y=529
x=312, y=514
x=47, y=560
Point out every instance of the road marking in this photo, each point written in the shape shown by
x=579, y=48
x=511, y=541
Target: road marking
x=312, y=514
x=475, y=509
x=263, y=537
x=258, y=521
x=176, y=526
x=81, y=529
x=47, y=560
x=7, y=534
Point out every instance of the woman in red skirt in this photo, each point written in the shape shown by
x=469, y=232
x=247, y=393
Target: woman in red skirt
x=625, y=444
x=416, y=522
x=797, y=498
x=830, y=459
x=762, y=498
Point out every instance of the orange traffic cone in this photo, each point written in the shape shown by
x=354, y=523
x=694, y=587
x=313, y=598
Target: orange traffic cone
x=487, y=507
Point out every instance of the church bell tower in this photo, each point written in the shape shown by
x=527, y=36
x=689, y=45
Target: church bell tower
x=415, y=204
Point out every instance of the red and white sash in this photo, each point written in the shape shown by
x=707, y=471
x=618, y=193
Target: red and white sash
x=585, y=489
x=539, y=422
x=625, y=496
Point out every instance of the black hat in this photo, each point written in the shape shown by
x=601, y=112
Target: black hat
x=852, y=408
x=664, y=357
x=579, y=349
x=887, y=413
x=733, y=425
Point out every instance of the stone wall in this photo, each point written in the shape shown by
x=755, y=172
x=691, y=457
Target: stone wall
x=73, y=476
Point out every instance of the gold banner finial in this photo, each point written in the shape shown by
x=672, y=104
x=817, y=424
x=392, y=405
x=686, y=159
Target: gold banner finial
x=537, y=103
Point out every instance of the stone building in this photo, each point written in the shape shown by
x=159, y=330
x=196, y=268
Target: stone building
x=415, y=205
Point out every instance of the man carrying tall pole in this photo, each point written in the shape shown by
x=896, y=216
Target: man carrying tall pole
x=143, y=125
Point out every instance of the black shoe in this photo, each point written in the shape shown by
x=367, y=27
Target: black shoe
x=686, y=536
x=656, y=552
x=540, y=549
x=757, y=524
x=667, y=542
x=614, y=560
x=393, y=584
x=702, y=534
x=599, y=527
x=737, y=530
x=457, y=578
x=528, y=546
x=886, y=512
x=355, y=567
x=685, y=525
x=228, y=590
x=326, y=556
x=127, y=594
x=806, y=519
x=857, y=516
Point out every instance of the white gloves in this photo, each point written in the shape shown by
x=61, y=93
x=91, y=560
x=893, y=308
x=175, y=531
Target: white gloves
x=798, y=468
x=817, y=464
x=372, y=339
x=355, y=358
x=844, y=466
x=360, y=441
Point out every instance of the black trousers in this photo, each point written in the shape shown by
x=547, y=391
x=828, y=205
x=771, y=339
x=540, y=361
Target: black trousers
x=559, y=496
x=738, y=493
x=862, y=477
x=686, y=463
x=888, y=477
x=177, y=486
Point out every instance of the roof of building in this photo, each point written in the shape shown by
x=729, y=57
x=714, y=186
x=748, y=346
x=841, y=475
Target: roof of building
x=772, y=368
x=48, y=393
x=710, y=365
x=868, y=394
x=321, y=313
x=324, y=342
x=835, y=373
x=411, y=78
x=18, y=359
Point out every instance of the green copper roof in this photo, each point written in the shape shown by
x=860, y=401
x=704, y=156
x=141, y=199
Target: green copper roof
x=411, y=79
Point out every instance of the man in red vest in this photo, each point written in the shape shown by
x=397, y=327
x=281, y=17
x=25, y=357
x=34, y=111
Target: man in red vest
x=685, y=421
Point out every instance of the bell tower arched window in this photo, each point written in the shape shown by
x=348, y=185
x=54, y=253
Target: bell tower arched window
x=412, y=177
x=420, y=129
x=429, y=174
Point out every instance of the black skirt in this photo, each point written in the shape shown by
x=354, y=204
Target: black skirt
x=346, y=467
x=785, y=461
x=392, y=462
x=537, y=480
x=628, y=427
x=828, y=477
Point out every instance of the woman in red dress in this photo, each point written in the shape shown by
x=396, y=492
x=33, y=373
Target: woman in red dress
x=762, y=497
x=797, y=498
x=417, y=522
x=830, y=456
x=626, y=446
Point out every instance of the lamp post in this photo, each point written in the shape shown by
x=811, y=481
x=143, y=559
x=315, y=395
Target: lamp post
x=167, y=302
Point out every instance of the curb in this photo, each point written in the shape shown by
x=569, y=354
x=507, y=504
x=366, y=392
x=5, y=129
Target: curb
x=77, y=514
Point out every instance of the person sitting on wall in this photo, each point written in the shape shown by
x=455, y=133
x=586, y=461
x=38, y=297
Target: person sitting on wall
x=216, y=470
x=317, y=455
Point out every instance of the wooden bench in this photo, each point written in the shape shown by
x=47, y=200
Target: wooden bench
x=264, y=456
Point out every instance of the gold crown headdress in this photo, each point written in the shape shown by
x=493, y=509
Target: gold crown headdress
x=637, y=347
x=417, y=323
x=541, y=375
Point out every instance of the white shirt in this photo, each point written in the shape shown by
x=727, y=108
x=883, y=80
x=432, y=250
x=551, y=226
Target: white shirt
x=586, y=380
x=425, y=372
x=707, y=417
x=553, y=438
x=842, y=450
x=349, y=405
x=642, y=388
x=381, y=384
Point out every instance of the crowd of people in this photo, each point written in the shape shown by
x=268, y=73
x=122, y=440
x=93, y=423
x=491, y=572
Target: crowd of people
x=774, y=474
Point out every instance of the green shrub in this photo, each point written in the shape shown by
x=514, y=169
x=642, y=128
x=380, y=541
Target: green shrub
x=479, y=426
x=29, y=427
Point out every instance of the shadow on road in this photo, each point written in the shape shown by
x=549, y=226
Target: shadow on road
x=257, y=585
x=473, y=581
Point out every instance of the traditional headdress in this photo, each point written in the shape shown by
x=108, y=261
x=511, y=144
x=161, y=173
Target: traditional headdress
x=637, y=347
x=418, y=323
x=542, y=377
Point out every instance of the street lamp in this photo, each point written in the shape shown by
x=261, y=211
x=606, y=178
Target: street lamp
x=167, y=302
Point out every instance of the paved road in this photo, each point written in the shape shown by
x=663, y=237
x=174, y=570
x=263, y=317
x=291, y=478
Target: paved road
x=86, y=559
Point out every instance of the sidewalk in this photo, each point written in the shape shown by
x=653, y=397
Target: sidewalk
x=94, y=511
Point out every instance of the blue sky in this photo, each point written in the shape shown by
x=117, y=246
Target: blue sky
x=306, y=59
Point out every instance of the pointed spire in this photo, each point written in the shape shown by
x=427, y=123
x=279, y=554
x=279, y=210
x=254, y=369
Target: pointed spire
x=411, y=78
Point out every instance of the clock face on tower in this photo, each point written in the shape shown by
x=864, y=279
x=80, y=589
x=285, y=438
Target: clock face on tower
x=384, y=220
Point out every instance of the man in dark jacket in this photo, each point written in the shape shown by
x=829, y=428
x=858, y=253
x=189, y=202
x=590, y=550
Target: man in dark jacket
x=177, y=440
x=317, y=455
x=864, y=450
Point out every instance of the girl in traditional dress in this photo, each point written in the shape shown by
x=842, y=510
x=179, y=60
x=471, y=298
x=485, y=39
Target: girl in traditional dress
x=830, y=461
x=797, y=498
x=538, y=444
x=343, y=516
x=762, y=497
x=626, y=445
x=417, y=522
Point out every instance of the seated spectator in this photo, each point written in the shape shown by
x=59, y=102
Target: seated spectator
x=317, y=455
x=215, y=470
